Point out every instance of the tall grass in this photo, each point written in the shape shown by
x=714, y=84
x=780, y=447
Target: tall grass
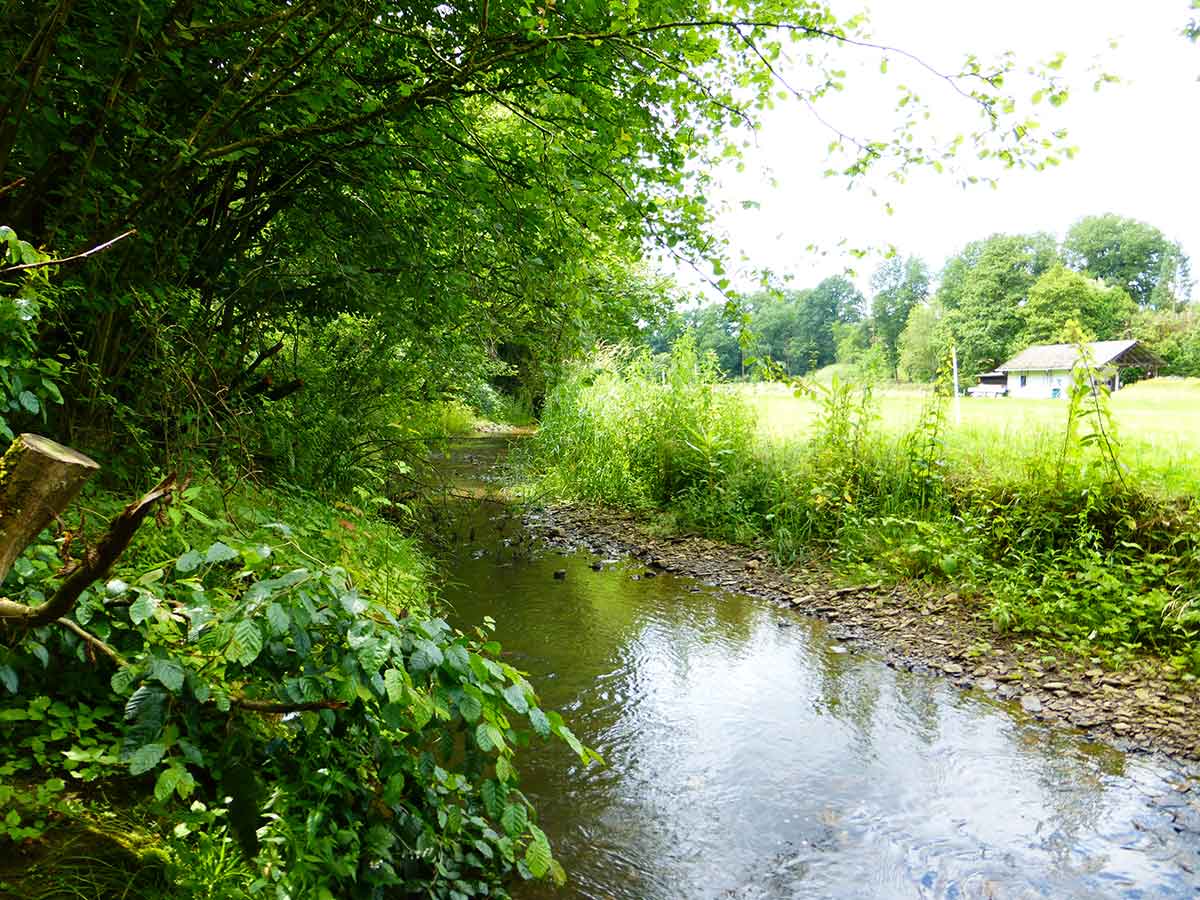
x=626, y=430
x=1065, y=545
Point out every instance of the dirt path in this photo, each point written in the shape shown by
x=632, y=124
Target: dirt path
x=1146, y=707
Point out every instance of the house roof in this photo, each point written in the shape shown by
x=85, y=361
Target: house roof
x=1042, y=357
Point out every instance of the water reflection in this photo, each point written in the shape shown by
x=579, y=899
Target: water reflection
x=748, y=759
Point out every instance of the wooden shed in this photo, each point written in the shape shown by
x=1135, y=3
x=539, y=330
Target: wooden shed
x=1044, y=370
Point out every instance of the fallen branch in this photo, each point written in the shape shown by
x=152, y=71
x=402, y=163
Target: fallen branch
x=12, y=186
x=95, y=563
x=258, y=361
x=270, y=706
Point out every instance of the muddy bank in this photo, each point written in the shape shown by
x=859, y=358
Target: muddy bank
x=1146, y=707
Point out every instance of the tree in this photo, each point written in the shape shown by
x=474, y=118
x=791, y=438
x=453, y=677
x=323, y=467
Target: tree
x=832, y=302
x=716, y=333
x=982, y=290
x=1062, y=295
x=775, y=326
x=467, y=172
x=1132, y=255
x=1174, y=335
x=899, y=286
x=923, y=344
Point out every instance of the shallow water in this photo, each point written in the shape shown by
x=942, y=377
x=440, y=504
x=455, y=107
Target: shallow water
x=749, y=755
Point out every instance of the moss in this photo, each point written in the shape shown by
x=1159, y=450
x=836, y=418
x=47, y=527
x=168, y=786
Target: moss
x=86, y=859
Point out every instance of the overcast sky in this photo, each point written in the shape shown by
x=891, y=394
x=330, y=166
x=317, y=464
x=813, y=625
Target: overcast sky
x=1139, y=141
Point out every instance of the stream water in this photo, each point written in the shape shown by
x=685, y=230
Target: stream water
x=749, y=755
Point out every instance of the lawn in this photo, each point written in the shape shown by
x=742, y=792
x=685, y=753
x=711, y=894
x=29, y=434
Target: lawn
x=1158, y=426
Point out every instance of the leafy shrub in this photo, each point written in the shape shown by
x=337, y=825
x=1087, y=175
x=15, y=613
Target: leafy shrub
x=29, y=380
x=367, y=747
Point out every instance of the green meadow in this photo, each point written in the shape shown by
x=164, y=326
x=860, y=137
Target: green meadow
x=1158, y=427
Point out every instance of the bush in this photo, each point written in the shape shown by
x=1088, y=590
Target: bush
x=279, y=652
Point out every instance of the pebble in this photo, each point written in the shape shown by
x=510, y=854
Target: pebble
x=1149, y=703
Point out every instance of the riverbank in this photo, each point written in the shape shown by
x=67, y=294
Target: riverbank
x=1147, y=706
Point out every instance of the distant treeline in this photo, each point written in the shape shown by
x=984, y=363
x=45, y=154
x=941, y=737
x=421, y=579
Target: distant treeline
x=1116, y=277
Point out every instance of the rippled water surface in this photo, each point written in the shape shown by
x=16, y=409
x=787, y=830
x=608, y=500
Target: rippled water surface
x=751, y=756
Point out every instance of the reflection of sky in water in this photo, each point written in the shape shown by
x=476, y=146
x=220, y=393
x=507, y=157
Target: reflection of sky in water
x=747, y=759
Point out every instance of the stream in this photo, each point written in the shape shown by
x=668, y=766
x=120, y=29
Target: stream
x=750, y=755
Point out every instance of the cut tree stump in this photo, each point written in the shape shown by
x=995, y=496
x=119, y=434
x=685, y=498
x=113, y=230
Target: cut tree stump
x=38, y=480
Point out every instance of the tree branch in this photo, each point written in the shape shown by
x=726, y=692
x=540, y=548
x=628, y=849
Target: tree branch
x=96, y=562
x=78, y=256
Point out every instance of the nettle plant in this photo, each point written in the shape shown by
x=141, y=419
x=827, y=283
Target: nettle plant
x=351, y=749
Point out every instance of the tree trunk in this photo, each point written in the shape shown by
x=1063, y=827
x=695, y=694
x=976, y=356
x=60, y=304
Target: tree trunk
x=38, y=480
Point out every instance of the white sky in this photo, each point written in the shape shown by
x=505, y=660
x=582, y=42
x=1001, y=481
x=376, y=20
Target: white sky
x=1139, y=141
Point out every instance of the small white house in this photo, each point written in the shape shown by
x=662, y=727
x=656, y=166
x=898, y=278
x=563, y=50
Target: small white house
x=1044, y=370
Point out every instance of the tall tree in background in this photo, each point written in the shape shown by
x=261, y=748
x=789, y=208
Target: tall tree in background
x=899, y=286
x=775, y=322
x=1062, y=295
x=832, y=302
x=1132, y=255
x=713, y=330
x=923, y=343
x=982, y=290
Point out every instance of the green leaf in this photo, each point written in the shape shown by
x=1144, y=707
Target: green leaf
x=514, y=819
x=458, y=659
x=146, y=700
x=537, y=854
x=169, y=672
x=504, y=770
x=393, y=683
x=247, y=643
x=494, y=794
x=278, y=619
x=167, y=781
x=427, y=655
x=143, y=607
x=122, y=679
x=29, y=401
x=146, y=758
x=488, y=737
x=538, y=720
x=470, y=708
x=514, y=694
x=8, y=677
x=220, y=552
x=189, y=562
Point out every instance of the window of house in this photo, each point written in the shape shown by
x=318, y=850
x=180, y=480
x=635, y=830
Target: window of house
x=1023, y=379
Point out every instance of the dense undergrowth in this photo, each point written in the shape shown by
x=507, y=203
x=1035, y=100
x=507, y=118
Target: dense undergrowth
x=1072, y=550
x=259, y=699
x=271, y=704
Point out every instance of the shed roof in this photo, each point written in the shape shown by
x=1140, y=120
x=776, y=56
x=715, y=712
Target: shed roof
x=1042, y=357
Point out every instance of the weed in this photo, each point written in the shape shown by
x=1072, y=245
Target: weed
x=1068, y=548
